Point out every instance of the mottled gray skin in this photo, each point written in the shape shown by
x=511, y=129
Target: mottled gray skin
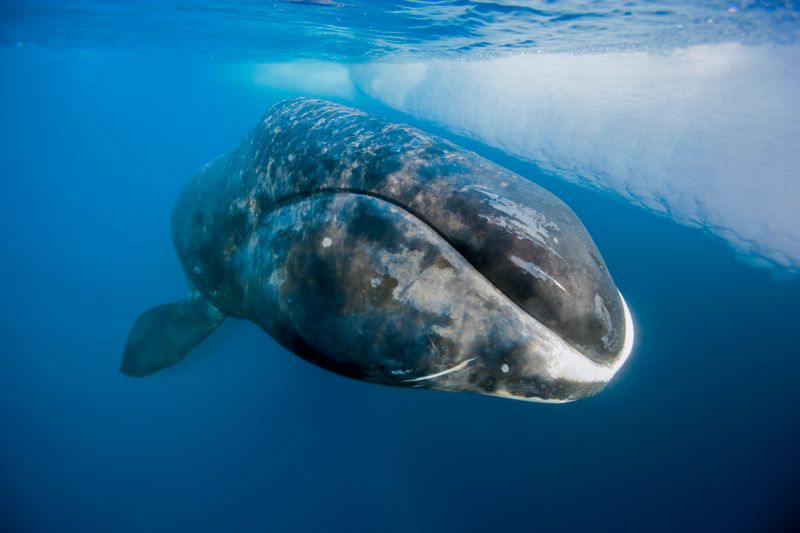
x=395, y=257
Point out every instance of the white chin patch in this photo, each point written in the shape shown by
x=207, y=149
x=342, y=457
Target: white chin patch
x=568, y=363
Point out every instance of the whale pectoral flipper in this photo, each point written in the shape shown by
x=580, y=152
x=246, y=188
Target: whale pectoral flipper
x=163, y=335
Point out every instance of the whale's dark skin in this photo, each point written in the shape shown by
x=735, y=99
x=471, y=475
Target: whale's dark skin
x=391, y=256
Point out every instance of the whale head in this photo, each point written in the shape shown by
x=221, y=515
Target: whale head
x=369, y=289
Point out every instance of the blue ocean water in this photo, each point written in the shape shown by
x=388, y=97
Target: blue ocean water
x=108, y=108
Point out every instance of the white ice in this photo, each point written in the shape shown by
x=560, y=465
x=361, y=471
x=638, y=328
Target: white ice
x=314, y=78
x=708, y=135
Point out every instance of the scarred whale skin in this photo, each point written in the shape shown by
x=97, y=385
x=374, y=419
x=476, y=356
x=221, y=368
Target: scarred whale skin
x=392, y=256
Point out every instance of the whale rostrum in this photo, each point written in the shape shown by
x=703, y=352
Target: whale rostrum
x=391, y=256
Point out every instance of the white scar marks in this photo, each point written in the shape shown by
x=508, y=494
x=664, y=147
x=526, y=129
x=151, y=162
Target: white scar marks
x=460, y=366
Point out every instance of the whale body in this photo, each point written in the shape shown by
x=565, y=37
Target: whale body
x=391, y=256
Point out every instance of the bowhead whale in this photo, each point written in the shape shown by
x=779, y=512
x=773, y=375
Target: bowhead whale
x=391, y=256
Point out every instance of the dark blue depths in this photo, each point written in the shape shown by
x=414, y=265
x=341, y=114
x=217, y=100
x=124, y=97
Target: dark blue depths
x=699, y=430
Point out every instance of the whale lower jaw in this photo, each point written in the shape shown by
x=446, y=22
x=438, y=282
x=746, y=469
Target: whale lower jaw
x=373, y=279
x=583, y=370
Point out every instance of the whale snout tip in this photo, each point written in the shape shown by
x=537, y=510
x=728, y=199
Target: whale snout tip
x=627, y=345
